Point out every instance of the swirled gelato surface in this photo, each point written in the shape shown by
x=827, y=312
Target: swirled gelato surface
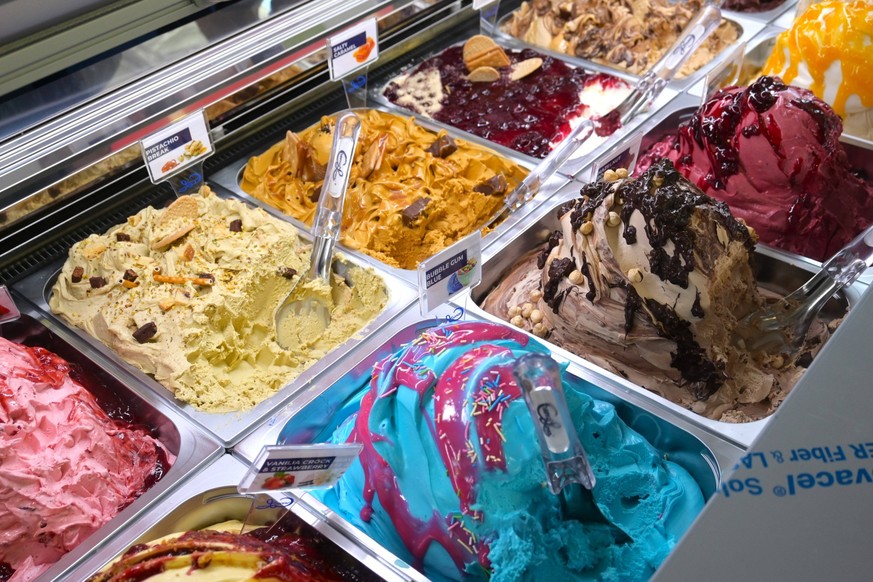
x=66, y=467
x=411, y=193
x=772, y=152
x=828, y=51
x=188, y=294
x=631, y=36
x=529, y=114
x=221, y=553
x=752, y=5
x=648, y=278
x=451, y=478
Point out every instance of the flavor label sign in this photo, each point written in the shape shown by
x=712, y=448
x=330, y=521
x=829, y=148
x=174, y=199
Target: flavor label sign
x=8, y=310
x=626, y=158
x=353, y=49
x=283, y=467
x=449, y=272
x=181, y=145
x=726, y=73
x=480, y=4
x=794, y=472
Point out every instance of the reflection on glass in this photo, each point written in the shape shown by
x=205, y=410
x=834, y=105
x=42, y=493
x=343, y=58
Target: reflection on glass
x=41, y=101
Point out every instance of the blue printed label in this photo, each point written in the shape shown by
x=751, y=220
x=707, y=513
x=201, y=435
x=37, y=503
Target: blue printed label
x=449, y=272
x=168, y=144
x=353, y=49
x=348, y=45
x=792, y=472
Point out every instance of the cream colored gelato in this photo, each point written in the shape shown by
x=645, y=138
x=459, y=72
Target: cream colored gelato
x=188, y=295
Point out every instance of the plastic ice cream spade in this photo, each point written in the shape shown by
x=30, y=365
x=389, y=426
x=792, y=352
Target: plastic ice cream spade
x=567, y=468
x=781, y=328
x=305, y=312
x=645, y=91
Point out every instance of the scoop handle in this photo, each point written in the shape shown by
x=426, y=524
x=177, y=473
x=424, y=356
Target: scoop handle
x=329, y=213
x=841, y=270
x=646, y=90
x=549, y=166
x=698, y=30
x=565, y=460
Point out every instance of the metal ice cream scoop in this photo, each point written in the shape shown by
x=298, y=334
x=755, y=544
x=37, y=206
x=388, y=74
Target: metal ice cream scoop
x=305, y=312
x=567, y=468
x=781, y=328
x=642, y=95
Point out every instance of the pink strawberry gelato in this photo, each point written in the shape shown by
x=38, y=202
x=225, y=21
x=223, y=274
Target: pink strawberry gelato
x=66, y=467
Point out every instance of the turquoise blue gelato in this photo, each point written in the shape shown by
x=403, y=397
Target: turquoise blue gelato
x=451, y=479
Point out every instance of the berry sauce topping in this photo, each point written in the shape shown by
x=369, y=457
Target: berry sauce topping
x=728, y=116
x=525, y=114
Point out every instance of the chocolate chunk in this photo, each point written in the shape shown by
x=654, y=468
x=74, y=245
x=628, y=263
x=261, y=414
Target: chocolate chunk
x=236, y=225
x=145, y=332
x=697, y=308
x=122, y=237
x=496, y=186
x=209, y=276
x=804, y=360
x=412, y=212
x=97, y=282
x=287, y=272
x=130, y=275
x=443, y=147
x=77, y=275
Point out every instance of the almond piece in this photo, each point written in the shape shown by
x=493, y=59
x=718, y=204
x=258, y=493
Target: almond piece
x=525, y=68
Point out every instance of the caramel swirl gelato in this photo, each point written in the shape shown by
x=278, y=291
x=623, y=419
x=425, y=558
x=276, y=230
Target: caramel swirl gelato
x=648, y=278
x=631, y=34
x=412, y=192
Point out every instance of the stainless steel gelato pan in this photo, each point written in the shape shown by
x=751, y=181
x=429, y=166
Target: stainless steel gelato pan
x=377, y=231
x=512, y=111
x=704, y=456
x=746, y=28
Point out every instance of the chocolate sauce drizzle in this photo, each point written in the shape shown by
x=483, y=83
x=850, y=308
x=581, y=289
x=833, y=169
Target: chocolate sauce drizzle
x=667, y=202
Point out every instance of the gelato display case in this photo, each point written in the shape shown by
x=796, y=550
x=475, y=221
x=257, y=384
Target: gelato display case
x=162, y=305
